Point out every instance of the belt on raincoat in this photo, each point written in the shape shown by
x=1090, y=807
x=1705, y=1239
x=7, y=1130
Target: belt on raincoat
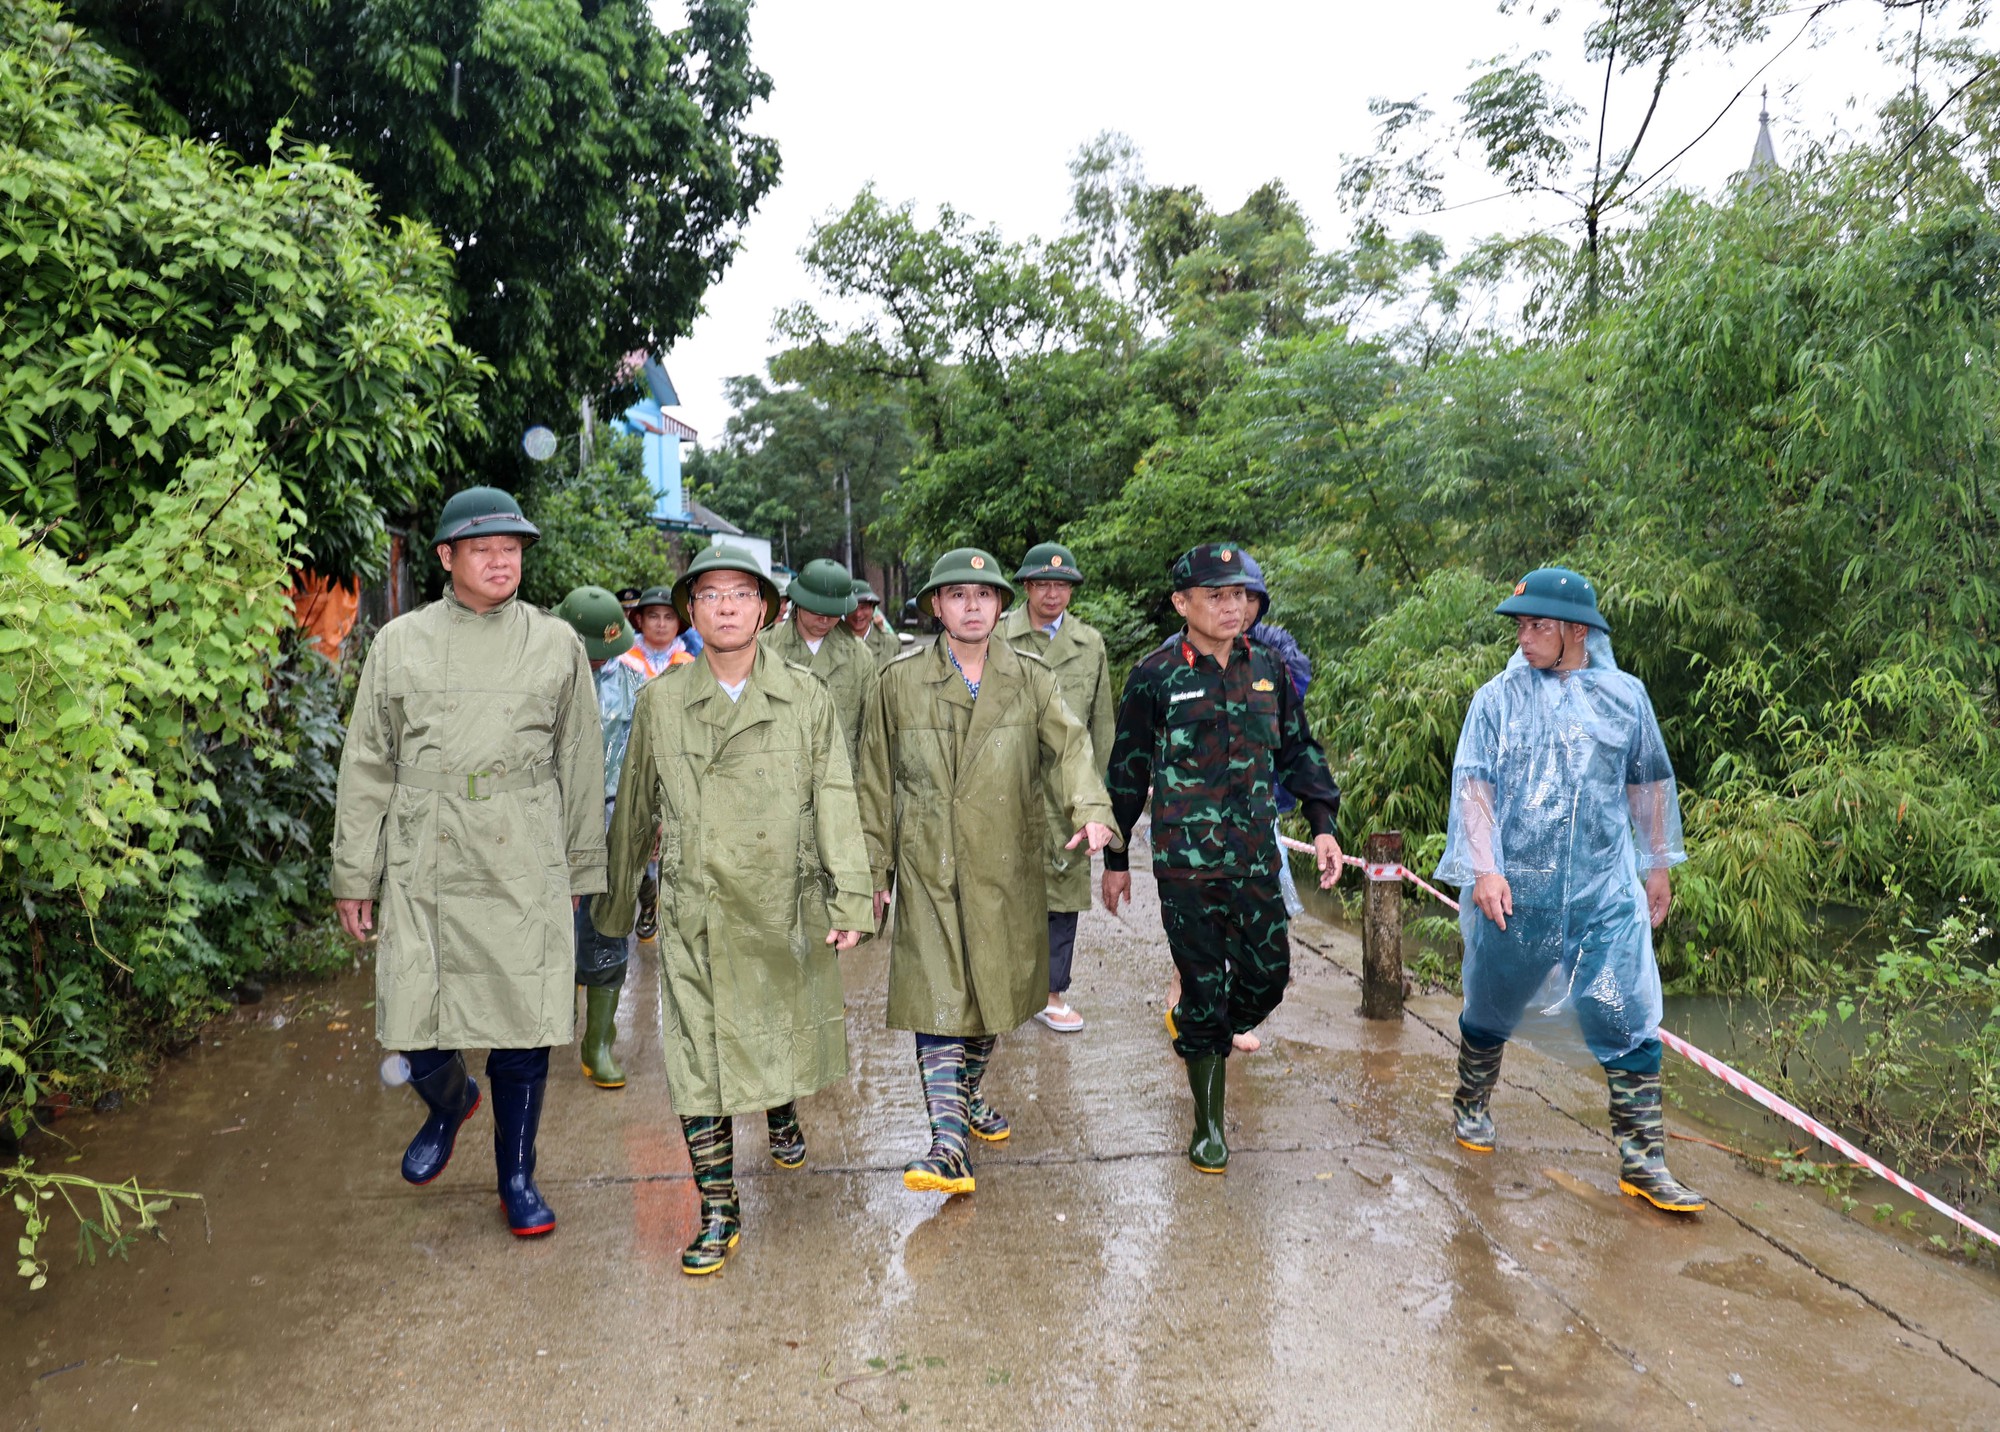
x=474, y=785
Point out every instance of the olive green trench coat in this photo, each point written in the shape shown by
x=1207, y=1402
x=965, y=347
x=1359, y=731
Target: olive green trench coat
x=760, y=855
x=845, y=666
x=471, y=806
x=885, y=644
x=951, y=797
x=1075, y=656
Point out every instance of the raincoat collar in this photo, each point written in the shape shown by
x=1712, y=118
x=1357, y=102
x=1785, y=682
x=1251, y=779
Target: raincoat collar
x=460, y=609
x=767, y=683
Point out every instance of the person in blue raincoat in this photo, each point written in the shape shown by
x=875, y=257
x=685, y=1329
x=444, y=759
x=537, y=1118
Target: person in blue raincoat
x=1564, y=823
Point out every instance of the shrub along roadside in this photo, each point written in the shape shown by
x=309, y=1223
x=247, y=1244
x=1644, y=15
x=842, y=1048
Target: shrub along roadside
x=210, y=368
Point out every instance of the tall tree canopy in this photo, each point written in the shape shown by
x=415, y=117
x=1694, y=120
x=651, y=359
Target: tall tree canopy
x=588, y=172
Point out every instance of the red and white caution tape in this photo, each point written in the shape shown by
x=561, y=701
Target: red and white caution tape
x=1378, y=872
x=1744, y=1084
x=1735, y=1079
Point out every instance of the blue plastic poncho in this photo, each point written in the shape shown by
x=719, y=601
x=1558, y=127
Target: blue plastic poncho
x=1562, y=785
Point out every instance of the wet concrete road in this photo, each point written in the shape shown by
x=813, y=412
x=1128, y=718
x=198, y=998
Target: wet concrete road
x=1354, y=1269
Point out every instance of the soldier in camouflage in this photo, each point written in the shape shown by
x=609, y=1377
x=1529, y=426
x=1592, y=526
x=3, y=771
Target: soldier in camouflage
x=1209, y=725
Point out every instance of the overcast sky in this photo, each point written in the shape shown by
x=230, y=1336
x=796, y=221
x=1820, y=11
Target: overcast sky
x=983, y=106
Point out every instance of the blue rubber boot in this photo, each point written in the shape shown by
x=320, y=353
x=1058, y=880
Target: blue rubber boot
x=519, y=1077
x=439, y=1077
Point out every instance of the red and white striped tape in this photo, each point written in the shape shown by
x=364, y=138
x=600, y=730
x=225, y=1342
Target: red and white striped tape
x=1734, y=1078
x=1744, y=1084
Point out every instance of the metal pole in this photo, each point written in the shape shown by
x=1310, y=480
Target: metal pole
x=1382, y=931
x=847, y=500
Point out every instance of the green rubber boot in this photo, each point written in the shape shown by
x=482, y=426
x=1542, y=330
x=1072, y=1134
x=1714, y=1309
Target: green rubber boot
x=712, y=1153
x=1208, y=1150
x=788, y=1137
x=1639, y=1123
x=600, y=1027
x=1478, y=1072
x=982, y=1118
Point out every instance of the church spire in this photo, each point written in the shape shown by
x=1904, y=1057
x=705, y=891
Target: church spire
x=1764, y=154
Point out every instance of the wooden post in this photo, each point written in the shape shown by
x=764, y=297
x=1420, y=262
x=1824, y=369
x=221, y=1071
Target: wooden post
x=1382, y=932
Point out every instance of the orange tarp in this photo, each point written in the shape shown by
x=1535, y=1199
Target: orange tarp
x=325, y=610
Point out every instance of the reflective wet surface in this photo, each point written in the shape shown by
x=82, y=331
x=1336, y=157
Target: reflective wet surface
x=1353, y=1269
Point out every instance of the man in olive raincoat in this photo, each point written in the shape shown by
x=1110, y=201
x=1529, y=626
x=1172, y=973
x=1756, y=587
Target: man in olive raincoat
x=471, y=806
x=738, y=762
x=599, y=619
x=960, y=742
x=864, y=625
x=822, y=595
x=1043, y=624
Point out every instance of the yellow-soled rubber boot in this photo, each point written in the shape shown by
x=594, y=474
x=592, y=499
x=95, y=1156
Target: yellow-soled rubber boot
x=600, y=1027
x=1208, y=1150
x=1639, y=1123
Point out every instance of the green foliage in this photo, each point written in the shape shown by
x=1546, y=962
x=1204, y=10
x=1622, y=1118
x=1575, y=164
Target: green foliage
x=195, y=350
x=1762, y=419
x=792, y=461
x=147, y=284
x=1904, y=1051
x=1007, y=357
x=597, y=528
x=588, y=172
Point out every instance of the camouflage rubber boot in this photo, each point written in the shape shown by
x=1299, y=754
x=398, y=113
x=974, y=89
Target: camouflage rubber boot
x=649, y=908
x=1478, y=1072
x=1639, y=1124
x=600, y=1027
x=985, y=1121
x=945, y=1169
x=788, y=1139
x=1208, y=1150
x=712, y=1151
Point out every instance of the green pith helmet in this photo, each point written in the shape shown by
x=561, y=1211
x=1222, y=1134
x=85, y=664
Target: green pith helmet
x=962, y=564
x=865, y=593
x=721, y=557
x=1049, y=562
x=484, y=512
x=599, y=620
x=1555, y=592
x=823, y=588
x=652, y=597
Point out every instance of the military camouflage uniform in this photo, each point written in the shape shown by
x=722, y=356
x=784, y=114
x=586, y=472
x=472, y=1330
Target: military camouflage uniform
x=1210, y=742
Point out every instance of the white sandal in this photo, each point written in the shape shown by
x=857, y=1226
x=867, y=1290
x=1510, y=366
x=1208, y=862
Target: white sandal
x=1062, y=1019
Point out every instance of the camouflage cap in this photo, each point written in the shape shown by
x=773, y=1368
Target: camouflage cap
x=1213, y=564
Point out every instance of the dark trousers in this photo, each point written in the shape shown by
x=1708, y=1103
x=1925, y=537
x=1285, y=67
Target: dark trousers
x=600, y=959
x=1228, y=942
x=521, y=1065
x=1062, y=948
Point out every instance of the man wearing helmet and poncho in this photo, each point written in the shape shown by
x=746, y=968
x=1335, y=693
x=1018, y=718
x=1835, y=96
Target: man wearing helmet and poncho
x=1564, y=823
x=738, y=767
x=471, y=806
